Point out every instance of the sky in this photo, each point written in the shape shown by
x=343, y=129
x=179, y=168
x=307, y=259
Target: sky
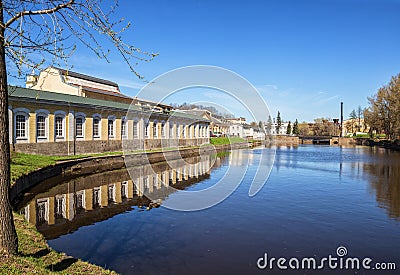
x=303, y=57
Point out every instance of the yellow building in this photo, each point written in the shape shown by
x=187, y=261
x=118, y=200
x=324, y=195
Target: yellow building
x=65, y=113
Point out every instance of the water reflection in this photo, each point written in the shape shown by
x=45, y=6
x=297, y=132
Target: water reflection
x=86, y=200
x=384, y=180
x=317, y=198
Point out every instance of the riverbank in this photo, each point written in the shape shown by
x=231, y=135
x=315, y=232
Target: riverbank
x=27, y=170
x=391, y=145
x=35, y=256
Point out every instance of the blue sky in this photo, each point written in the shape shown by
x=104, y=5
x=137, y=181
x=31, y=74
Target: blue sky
x=304, y=57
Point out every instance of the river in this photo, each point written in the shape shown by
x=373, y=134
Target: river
x=316, y=199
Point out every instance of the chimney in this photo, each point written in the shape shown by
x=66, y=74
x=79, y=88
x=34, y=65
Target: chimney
x=341, y=119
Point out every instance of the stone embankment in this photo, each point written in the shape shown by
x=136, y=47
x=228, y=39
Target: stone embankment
x=86, y=166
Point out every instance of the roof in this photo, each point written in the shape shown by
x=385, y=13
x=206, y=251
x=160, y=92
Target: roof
x=19, y=92
x=26, y=93
x=99, y=91
x=179, y=113
x=86, y=77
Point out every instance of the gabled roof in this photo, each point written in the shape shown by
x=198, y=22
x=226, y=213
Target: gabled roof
x=86, y=77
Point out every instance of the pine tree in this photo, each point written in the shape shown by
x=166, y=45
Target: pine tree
x=296, y=128
x=289, y=129
x=278, y=123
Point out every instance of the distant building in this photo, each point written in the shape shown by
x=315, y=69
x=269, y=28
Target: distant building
x=282, y=129
x=219, y=126
x=236, y=126
x=239, y=120
x=353, y=126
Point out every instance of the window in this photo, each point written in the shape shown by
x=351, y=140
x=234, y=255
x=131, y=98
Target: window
x=177, y=131
x=163, y=129
x=59, y=127
x=146, y=129
x=42, y=211
x=41, y=126
x=110, y=127
x=171, y=130
x=20, y=126
x=59, y=207
x=135, y=129
x=124, y=189
x=123, y=128
x=80, y=201
x=96, y=127
x=79, y=126
x=184, y=131
x=155, y=129
x=96, y=196
x=111, y=193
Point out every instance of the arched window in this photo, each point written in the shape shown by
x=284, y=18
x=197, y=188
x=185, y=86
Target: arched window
x=21, y=118
x=184, y=131
x=135, y=129
x=124, y=128
x=96, y=126
x=155, y=129
x=59, y=125
x=178, y=134
x=163, y=129
x=80, y=125
x=21, y=122
x=42, y=125
x=171, y=130
x=146, y=129
x=111, y=126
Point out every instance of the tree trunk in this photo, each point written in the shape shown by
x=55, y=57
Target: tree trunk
x=8, y=235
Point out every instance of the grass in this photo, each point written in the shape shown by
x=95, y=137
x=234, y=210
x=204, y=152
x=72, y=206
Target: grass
x=35, y=257
x=23, y=164
x=226, y=140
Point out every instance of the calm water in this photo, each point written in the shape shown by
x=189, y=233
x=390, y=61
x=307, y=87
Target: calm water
x=316, y=199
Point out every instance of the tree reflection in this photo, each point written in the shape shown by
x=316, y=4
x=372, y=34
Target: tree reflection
x=385, y=182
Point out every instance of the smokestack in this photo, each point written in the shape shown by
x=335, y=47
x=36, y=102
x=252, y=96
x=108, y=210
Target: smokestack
x=341, y=119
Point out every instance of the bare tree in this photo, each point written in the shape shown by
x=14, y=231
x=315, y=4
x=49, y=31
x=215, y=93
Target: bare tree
x=39, y=33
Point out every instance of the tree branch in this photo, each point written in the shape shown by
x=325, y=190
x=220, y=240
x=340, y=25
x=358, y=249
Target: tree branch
x=38, y=12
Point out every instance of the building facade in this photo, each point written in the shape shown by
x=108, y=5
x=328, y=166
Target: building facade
x=75, y=118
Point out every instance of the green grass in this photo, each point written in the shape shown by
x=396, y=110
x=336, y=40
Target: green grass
x=226, y=140
x=35, y=257
x=23, y=164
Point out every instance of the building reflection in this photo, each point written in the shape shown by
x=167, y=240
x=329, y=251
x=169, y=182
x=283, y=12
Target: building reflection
x=66, y=206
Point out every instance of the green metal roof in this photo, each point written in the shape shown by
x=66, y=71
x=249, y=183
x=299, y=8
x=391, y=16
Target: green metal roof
x=19, y=92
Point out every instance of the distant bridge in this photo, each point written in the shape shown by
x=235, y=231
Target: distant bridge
x=318, y=140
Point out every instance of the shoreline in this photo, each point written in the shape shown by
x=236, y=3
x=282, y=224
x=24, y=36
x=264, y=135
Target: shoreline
x=34, y=252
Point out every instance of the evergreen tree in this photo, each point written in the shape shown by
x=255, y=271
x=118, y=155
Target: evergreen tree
x=278, y=123
x=289, y=129
x=296, y=130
